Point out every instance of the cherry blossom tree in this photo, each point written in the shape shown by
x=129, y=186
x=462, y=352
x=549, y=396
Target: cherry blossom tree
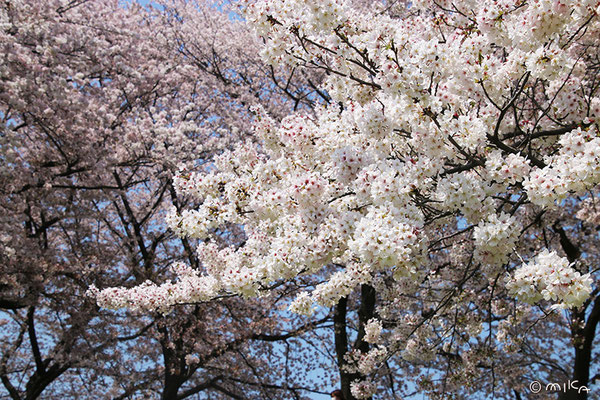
x=443, y=200
x=100, y=104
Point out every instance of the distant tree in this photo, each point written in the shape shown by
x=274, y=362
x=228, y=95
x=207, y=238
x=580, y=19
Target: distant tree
x=101, y=103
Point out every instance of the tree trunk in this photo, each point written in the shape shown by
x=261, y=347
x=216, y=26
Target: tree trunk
x=172, y=385
x=365, y=312
x=583, y=340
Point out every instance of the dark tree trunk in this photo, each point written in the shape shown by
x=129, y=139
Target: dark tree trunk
x=365, y=312
x=341, y=345
x=583, y=340
x=175, y=369
x=172, y=385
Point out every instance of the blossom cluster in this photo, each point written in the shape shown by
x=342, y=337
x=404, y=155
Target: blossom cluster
x=363, y=389
x=373, y=330
x=495, y=238
x=190, y=288
x=355, y=186
x=550, y=277
x=510, y=169
x=575, y=168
